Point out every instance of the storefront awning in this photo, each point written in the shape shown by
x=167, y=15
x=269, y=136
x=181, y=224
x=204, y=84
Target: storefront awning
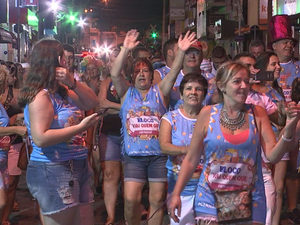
x=7, y=37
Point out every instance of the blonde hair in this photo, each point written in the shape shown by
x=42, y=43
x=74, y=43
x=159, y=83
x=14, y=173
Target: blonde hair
x=4, y=70
x=226, y=72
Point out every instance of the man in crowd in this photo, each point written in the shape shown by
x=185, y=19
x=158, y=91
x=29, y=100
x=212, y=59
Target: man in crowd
x=169, y=52
x=141, y=52
x=218, y=57
x=256, y=47
x=70, y=56
x=283, y=45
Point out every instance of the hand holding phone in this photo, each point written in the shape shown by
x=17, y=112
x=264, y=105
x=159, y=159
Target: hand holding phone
x=264, y=76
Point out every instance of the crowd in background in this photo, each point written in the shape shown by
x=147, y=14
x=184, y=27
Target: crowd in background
x=216, y=139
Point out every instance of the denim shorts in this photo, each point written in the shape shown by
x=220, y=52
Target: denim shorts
x=110, y=147
x=139, y=168
x=60, y=185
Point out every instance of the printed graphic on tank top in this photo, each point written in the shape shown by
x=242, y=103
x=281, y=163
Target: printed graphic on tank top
x=66, y=114
x=182, y=132
x=140, y=119
x=289, y=71
x=230, y=167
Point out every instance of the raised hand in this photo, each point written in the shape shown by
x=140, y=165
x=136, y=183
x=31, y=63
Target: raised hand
x=185, y=42
x=130, y=41
x=63, y=75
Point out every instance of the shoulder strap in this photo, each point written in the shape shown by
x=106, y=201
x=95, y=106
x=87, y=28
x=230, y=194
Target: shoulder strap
x=9, y=97
x=252, y=108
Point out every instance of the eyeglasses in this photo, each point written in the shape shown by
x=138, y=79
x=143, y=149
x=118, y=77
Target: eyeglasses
x=193, y=51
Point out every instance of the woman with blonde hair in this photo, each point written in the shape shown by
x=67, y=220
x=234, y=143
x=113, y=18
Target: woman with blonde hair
x=7, y=134
x=230, y=135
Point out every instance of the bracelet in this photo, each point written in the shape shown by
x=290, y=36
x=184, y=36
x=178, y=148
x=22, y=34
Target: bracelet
x=287, y=139
x=73, y=86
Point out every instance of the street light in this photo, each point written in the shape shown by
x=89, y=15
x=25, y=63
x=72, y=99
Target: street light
x=54, y=6
x=72, y=17
x=154, y=35
x=81, y=22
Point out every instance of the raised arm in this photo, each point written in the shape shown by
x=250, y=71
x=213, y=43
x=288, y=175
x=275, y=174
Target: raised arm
x=191, y=160
x=166, y=84
x=119, y=81
x=83, y=96
x=165, y=140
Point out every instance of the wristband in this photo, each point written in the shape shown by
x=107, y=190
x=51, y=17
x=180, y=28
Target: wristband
x=286, y=139
x=73, y=86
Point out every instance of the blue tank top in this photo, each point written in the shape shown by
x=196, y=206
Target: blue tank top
x=175, y=101
x=275, y=97
x=210, y=89
x=230, y=167
x=140, y=122
x=182, y=132
x=4, y=122
x=289, y=71
x=66, y=114
x=163, y=71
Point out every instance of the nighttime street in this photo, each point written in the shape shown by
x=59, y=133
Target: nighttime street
x=149, y=112
x=28, y=214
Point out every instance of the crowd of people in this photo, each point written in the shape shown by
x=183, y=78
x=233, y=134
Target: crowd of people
x=216, y=139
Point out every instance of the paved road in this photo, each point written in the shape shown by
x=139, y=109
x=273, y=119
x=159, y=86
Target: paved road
x=28, y=214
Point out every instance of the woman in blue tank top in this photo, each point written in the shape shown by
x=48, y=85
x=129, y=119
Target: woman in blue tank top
x=142, y=106
x=177, y=128
x=230, y=188
x=268, y=61
x=58, y=174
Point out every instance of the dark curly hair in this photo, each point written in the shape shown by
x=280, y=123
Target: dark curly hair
x=41, y=74
x=193, y=77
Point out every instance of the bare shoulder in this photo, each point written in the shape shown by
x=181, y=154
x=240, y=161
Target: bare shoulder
x=203, y=118
x=41, y=100
x=205, y=111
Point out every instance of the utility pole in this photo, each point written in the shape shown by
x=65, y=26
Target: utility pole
x=270, y=13
x=18, y=29
x=40, y=21
x=164, y=23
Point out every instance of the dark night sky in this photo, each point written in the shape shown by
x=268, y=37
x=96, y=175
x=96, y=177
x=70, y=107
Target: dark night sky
x=125, y=14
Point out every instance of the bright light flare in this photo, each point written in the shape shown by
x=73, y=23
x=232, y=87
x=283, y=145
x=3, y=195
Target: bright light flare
x=106, y=50
x=98, y=49
x=81, y=22
x=54, y=6
x=103, y=50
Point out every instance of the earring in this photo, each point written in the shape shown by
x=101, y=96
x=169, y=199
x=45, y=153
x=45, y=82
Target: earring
x=224, y=92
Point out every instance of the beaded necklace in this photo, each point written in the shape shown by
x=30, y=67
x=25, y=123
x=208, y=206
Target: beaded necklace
x=232, y=124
